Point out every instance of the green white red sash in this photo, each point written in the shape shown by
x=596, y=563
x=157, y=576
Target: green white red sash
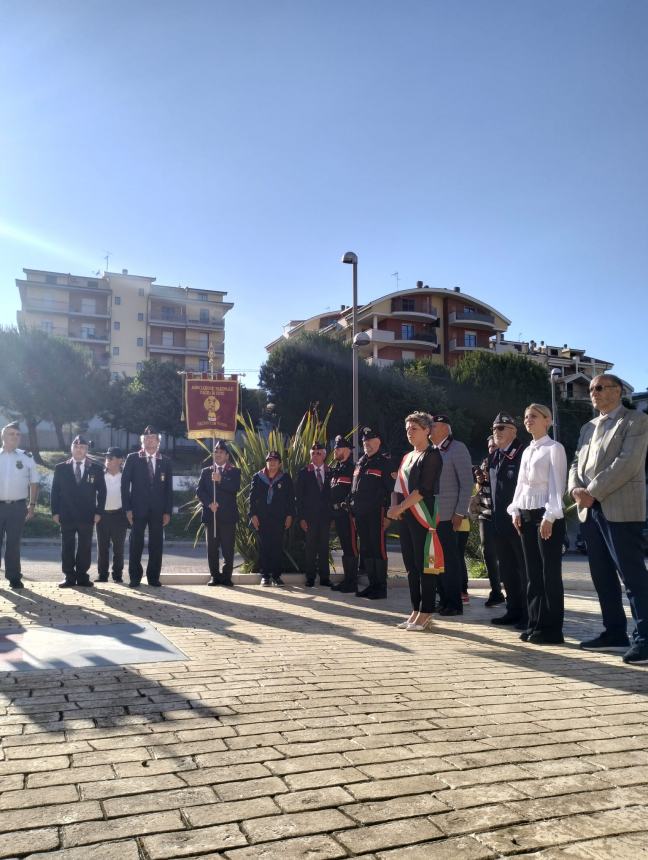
x=433, y=553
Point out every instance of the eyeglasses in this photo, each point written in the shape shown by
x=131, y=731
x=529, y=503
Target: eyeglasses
x=601, y=387
x=500, y=427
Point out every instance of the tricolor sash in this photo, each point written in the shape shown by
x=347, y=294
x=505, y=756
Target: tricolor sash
x=433, y=553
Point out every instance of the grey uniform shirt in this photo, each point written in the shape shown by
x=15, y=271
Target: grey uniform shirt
x=17, y=472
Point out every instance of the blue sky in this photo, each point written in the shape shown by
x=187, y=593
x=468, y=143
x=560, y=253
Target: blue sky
x=245, y=145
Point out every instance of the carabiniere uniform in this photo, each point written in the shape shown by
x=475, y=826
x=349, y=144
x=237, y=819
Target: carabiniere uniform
x=17, y=473
x=341, y=481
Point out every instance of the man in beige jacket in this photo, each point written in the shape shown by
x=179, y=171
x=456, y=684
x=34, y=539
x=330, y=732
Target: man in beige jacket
x=607, y=480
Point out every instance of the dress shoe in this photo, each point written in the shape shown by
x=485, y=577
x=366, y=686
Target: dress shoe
x=278, y=582
x=449, y=613
x=85, y=584
x=606, y=642
x=495, y=600
x=227, y=583
x=526, y=635
x=310, y=583
x=16, y=584
x=378, y=594
x=102, y=579
x=133, y=584
x=539, y=637
x=157, y=584
x=637, y=653
x=420, y=628
x=327, y=582
x=118, y=579
x=66, y=584
x=509, y=618
x=344, y=587
x=266, y=582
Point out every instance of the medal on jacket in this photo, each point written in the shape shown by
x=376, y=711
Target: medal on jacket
x=162, y=476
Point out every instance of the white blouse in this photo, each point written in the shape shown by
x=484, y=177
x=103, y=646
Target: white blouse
x=541, y=479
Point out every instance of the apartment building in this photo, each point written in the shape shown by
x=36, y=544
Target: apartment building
x=125, y=319
x=406, y=325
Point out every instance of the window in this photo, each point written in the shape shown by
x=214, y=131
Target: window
x=168, y=313
x=408, y=355
x=116, y=325
x=140, y=317
x=467, y=310
x=140, y=292
x=407, y=331
x=140, y=341
x=92, y=284
x=201, y=341
x=167, y=338
x=47, y=326
x=204, y=315
x=88, y=332
x=470, y=338
x=203, y=297
x=50, y=279
x=139, y=366
x=203, y=365
x=117, y=300
x=88, y=306
x=115, y=350
x=408, y=304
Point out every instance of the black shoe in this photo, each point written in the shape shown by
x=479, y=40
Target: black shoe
x=278, y=581
x=345, y=587
x=637, y=653
x=447, y=612
x=227, y=583
x=526, y=635
x=365, y=591
x=213, y=582
x=87, y=583
x=16, y=584
x=606, y=642
x=495, y=600
x=508, y=618
x=310, y=583
x=326, y=582
x=378, y=594
x=133, y=584
x=66, y=584
x=266, y=582
x=102, y=579
x=156, y=584
x=117, y=579
x=539, y=637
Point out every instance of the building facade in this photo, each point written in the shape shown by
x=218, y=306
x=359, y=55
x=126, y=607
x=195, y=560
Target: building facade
x=406, y=325
x=126, y=319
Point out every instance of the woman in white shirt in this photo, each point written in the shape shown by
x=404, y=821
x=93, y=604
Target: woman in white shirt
x=537, y=512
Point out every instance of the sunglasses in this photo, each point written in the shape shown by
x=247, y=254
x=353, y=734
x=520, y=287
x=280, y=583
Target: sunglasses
x=501, y=426
x=601, y=387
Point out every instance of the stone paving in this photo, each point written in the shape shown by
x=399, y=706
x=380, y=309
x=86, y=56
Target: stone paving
x=306, y=725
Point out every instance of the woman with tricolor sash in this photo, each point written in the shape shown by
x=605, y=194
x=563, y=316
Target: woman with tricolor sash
x=416, y=486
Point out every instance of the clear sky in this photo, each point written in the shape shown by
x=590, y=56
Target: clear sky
x=245, y=145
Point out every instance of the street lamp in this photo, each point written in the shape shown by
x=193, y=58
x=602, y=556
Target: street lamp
x=352, y=258
x=555, y=375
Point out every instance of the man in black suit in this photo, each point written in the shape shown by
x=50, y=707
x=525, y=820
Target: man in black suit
x=78, y=498
x=147, y=498
x=217, y=491
x=314, y=514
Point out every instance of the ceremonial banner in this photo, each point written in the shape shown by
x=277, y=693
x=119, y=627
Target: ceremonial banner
x=211, y=406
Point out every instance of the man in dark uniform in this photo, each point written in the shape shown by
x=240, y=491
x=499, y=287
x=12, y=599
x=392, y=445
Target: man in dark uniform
x=217, y=489
x=113, y=524
x=147, y=498
x=482, y=508
x=272, y=508
x=370, y=495
x=341, y=480
x=314, y=514
x=18, y=493
x=503, y=467
x=78, y=498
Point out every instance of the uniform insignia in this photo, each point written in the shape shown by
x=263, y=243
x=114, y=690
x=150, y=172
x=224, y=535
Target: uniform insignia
x=20, y=464
x=162, y=476
x=279, y=486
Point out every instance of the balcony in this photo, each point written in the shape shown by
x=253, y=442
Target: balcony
x=102, y=337
x=183, y=321
x=190, y=347
x=68, y=283
x=379, y=362
x=455, y=346
x=46, y=306
x=427, y=339
x=379, y=335
x=472, y=319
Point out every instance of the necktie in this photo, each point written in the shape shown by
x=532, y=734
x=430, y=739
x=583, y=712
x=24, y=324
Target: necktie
x=77, y=473
x=151, y=471
x=595, y=447
x=320, y=479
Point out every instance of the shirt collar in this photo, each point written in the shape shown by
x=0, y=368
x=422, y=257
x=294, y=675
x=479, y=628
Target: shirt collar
x=538, y=443
x=611, y=416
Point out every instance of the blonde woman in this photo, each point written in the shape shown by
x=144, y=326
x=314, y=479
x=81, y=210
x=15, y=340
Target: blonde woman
x=537, y=512
x=416, y=486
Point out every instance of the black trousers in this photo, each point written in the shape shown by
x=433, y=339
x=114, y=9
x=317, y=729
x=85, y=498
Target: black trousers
x=111, y=529
x=271, y=536
x=421, y=585
x=223, y=540
x=543, y=560
x=317, y=549
x=510, y=563
x=153, y=521
x=346, y=532
x=450, y=580
x=76, y=551
x=489, y=554
x=371, y=535
x=12, y=520
x=615, y=551
x=462, y=541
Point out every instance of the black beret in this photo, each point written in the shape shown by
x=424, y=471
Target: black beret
x=114, y=452
x=341, y=442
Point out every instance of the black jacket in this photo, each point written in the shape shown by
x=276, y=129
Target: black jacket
x=226, y=490
x=138, y=494
x=341, y=480
x=78, y=503
x=372, y=484
x=506, y=466
x=313, y=504
x=282, y=503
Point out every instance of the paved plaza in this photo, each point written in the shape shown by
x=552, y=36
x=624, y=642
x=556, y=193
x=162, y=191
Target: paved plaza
x=303, y=723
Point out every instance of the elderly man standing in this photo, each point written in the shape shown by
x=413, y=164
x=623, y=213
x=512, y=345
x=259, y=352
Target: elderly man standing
x=455, y=490
x=313, y=492
x=607, y=481
x=147, y=498
x=503, y=468
x=18, y=486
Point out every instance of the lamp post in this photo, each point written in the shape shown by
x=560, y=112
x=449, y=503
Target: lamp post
x=555, y=375
x=352, y=259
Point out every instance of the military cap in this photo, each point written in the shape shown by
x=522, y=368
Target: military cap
x=440, y=419
x=368, y=433
x=341, y=442
x=80, y=440
x=504, y=418
x=114, y=452
x=221, y=445
x=149, y=430
x=318, y=446
x=273, y=455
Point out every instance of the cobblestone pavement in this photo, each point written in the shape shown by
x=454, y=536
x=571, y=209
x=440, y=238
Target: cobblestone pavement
x=305, y=724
